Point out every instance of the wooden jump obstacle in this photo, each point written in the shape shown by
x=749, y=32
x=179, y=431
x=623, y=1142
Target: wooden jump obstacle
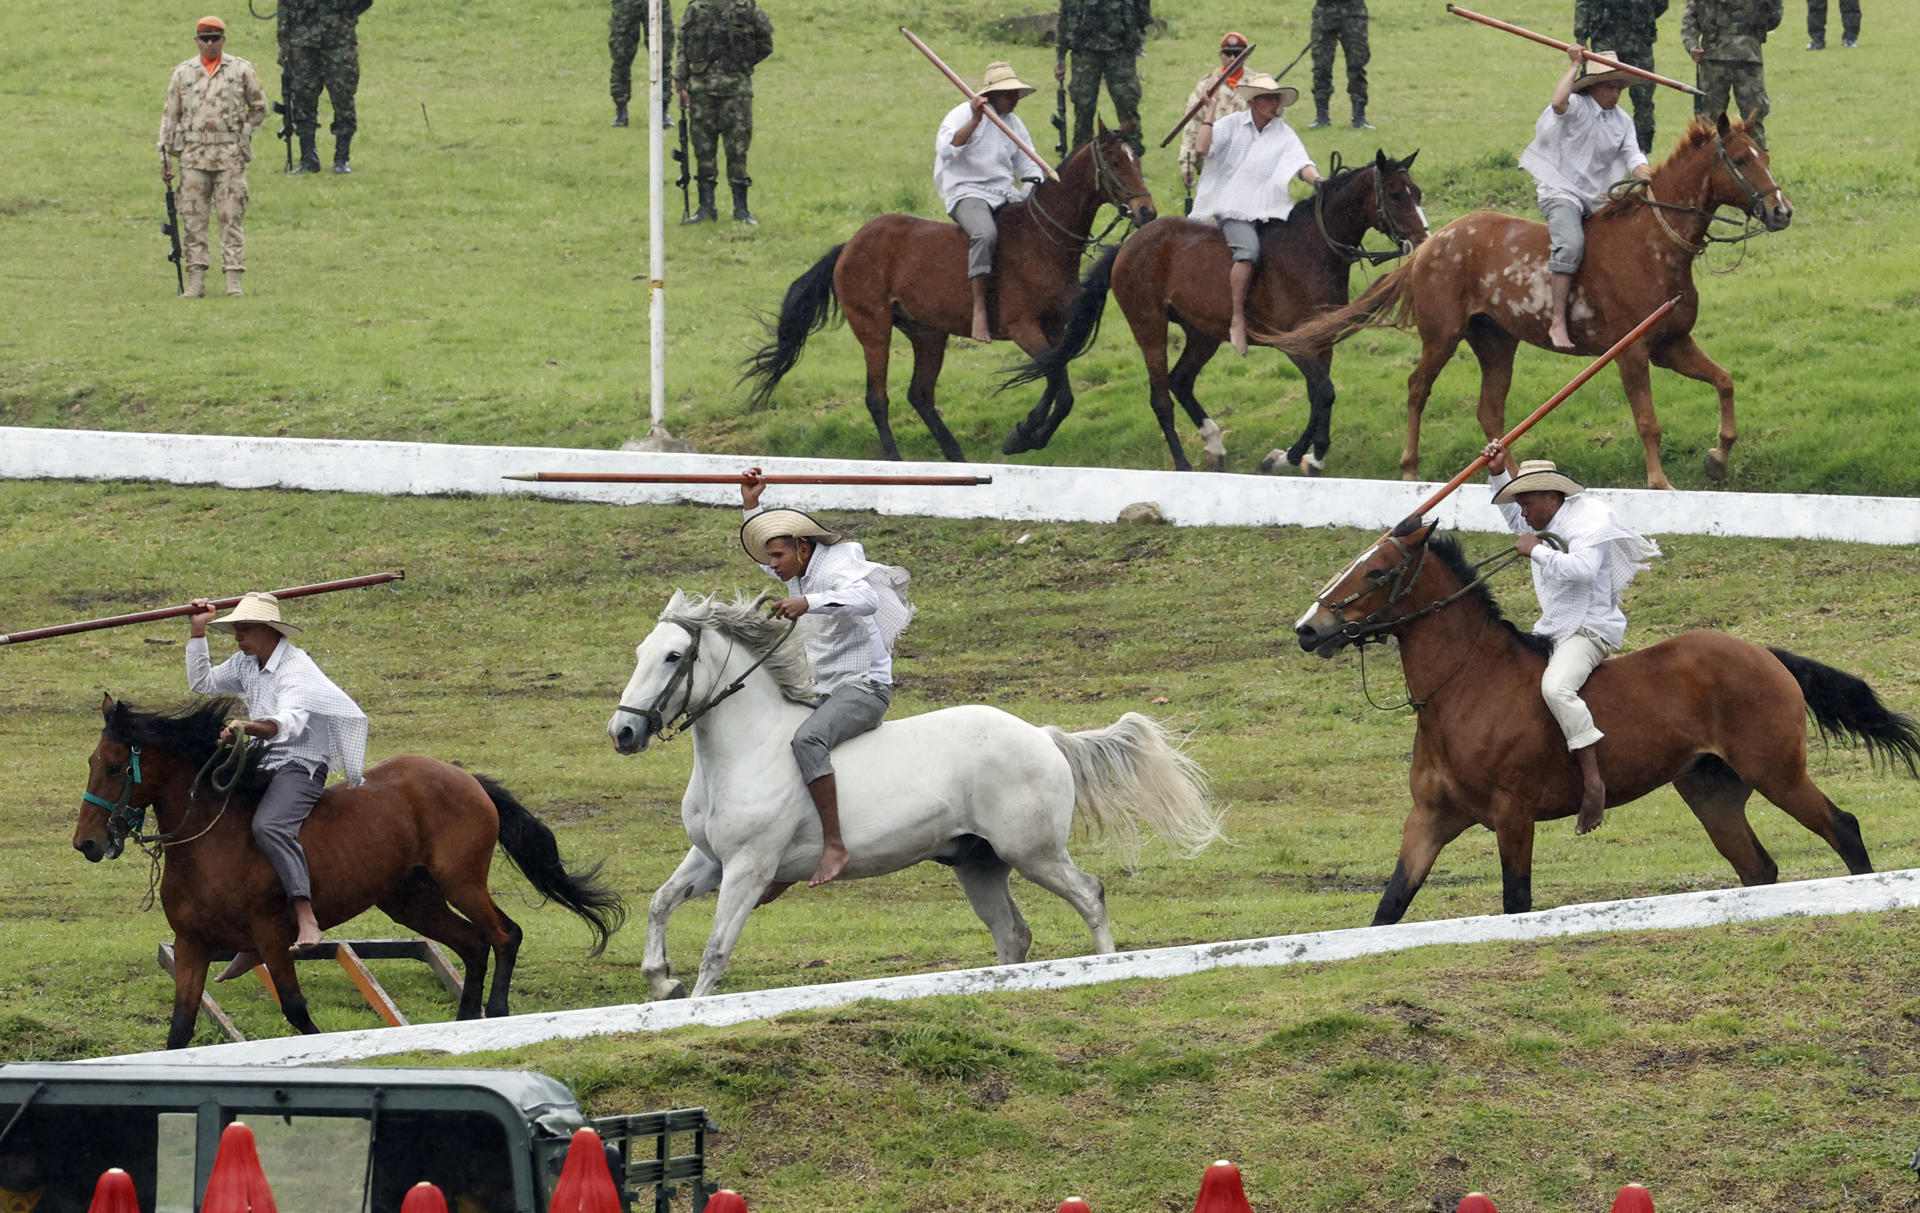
x=352, y=955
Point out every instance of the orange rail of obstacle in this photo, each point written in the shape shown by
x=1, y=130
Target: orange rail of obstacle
x=1610, y=64
x=732, y=478
x=121, y=621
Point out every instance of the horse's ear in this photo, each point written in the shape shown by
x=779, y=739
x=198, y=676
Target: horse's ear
x=106, y=703
x=1102, y=124
x=1723, y=126
x=1414, y=527
x=1408, y=162
x=1380, y=160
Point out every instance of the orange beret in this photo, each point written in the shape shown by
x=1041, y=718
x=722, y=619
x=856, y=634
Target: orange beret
x=210, y=23
x=1233, y=38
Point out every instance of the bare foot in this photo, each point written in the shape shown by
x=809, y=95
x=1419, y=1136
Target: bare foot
x=981, y=332
x=1557, y=333
x=833, y=858
x=1593, y=807
x=241, y=965
x=1237, y=333
x=773, y=890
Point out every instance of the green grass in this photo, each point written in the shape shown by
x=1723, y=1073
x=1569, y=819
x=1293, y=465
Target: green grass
x=481, y=277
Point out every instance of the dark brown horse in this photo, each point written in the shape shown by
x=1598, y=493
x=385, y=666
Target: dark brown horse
x=1716, y=717
x=1483, y=278
x=908, y=273
x=1177, y=270
x=415, y=839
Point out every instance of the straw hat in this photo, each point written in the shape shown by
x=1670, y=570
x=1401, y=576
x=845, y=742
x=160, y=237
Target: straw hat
x=1259, y=84
x=256, y=608
x=1001, y=79
x=781, y=524
x=1538, y=476
x=1592, y=73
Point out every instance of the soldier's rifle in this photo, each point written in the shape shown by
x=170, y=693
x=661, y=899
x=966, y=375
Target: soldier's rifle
x=686, y=168
x=172, y=230
x=120, y=621
x=986, y=107
x=1060, y=118
x=1612, y=65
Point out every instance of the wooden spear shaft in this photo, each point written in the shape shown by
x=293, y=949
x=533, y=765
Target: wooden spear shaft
x=1638, y=331
x=1610, y=64
x=731, y=478
x=120, y=621
x=986, y=107
x=1211, y=88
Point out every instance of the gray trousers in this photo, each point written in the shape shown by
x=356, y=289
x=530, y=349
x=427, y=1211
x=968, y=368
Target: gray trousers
x=276, y=824
x=1566, y=234
x=850, y=711
x=983, y=236
x=1243, y=238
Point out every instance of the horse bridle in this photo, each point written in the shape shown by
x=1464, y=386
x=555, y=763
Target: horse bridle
x=1106, y=179
x=655, y=714
x=1755, y=209
x=123, y=820
x=221, y=770
x=1388, y=225
x=1399, y=583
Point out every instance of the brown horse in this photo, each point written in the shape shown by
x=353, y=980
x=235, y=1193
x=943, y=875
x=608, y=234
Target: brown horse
x=1716, y=717
x=908, y=273
x=415, y=839
x=1177, y=270
x=1483, y=278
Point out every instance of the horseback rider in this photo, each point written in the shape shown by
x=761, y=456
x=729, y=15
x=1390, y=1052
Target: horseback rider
x=1250, y=158
x=1583, y=143
x=976, y=171
x=309, y=725
x=1579, y=591
x=861, y=608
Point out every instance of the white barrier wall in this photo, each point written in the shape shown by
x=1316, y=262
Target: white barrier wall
x=1018, y=492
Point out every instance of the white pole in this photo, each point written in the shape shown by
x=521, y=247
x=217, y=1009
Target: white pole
x=656, y=229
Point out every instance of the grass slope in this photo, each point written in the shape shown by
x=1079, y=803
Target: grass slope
x=481, y=277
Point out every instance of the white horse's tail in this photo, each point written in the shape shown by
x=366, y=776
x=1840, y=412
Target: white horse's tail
x=1131, y=772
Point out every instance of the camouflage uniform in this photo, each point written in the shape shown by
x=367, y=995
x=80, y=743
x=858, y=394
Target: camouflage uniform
x=1626, y=29
x=1341, y=24
x=1729, y=35
x=1817, y=23
x=320, y=48
x=1105, y=37
x=1225, y=100
x=721, y=41
x=626, y=34
x=208, y=122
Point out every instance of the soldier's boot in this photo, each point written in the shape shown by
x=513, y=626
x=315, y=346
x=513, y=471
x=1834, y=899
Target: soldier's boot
x=1360, y=122
x=706, y=213
x=233, y=284
x=196, y=283
x=342, y=147
x=619, y=113
x=1816, y=43
x=309, y=157
x=1320, y=118
x=740, y=212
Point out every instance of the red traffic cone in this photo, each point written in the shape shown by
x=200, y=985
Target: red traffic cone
x=237, y=1184
x=1221, y=1190
x=114, y=1193
x=586, y=1182
x=1633, y=1199
x=1073, y=1204
x=1474, y=1203
x=726, y=1200
x=423, y=1197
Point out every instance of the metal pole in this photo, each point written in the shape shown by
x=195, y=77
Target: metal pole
x=656, y=232
x=120, y=621
x=1613, y=65
x=987, y=110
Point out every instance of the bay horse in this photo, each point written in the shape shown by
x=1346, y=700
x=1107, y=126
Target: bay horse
x=971, y=787
x=1176, y=271
x=1483, y=278
x=1717, y=717
x=909, y=273
x=415, y=839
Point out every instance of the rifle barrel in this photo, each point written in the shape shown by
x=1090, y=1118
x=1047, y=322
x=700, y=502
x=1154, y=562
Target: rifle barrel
x=986, y=109
x=1193, y=109
x=1613, y=65
x=120, y=621
x=732, y=478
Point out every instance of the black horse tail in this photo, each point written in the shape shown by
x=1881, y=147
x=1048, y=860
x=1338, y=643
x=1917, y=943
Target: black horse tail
x=809, y=305
x=1844, y=706
x=1083, y=325
x=1388, y=303
x=531, y=847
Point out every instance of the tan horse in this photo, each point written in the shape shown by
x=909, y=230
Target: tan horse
x=1483, y=278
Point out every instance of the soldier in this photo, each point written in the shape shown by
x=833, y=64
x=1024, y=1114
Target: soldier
x=1225, y=100
x=1105, y=37
x=626, y=33
x=214, y=104
x=319, y=48
x=1628, y=27
x=1817, y=24
x=721, y=42
x=1342, y=24
x=1724, y=38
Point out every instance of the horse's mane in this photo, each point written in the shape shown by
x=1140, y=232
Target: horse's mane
x=739, y=619
x=190, y=732
x=1698, y=134
x=1447, y=550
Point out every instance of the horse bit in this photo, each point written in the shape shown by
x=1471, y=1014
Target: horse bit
x=124, y=821
x=655, y=714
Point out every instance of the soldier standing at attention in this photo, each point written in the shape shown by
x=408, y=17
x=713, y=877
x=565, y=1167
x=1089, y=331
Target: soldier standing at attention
x=721, y=42
x=1628, y=27
x=1724, y=38
x=626, y=34
x=1817, y=24
x=319, y=48
x=1225, y=100
x=214, y=104
x=1342, y=24
x=1105, y=37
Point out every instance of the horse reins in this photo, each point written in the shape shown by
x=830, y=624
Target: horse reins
x=221, y=770
x=1755, y=200
x=1108, y=182
x=658, y=722
x=1389, y=226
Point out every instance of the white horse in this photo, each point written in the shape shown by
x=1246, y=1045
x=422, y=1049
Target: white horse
x=972, y=787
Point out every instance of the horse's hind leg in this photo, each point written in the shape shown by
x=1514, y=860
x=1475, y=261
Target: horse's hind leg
x=1056, y=401
x=1426, y=832
x=1686, y=357
x=874, y=332
x=1199, y=351
x=1718, y=797
x=465, y=886
x=1435, y=353
x=984, y=879
x=698, y=874
x=1809, y=806
x=929, y=355
x=419, y=906
x=1059, y=875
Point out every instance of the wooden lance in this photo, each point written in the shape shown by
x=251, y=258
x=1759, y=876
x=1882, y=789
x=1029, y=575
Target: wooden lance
x=1610, y=64
x=1513, y=435
x=731, y=478
x=120, y=621
x=1211, y=88
x=986, y=107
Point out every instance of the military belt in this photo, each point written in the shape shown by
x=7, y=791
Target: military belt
x=211, y=136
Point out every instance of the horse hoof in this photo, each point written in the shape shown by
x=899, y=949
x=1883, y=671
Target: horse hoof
x=1016, y=442
x=1715, y=465
x=1313, y=466
x=1275, y=461
x=674, y=990
x=1215, y=461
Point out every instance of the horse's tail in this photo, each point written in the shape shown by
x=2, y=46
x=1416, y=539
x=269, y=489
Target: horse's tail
x=531, y=847
x=809, y=305
x=1131, y=772
x=1845, y=706
x=1388, y=303
x=1083, y=325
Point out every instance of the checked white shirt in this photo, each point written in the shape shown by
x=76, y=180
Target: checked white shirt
x=319, y=725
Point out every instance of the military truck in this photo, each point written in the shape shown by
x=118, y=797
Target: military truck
x=331, y=1139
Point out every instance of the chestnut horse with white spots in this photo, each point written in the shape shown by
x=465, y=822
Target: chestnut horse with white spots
x=1483, y=278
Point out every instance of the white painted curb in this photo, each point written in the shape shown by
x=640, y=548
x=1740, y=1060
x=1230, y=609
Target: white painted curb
x=1840, y=895
x=1018, y=492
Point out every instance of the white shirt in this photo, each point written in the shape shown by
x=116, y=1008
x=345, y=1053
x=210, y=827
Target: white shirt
x=988, y=166
x=318, y=724
x=857, y=608
x=1247, y=170
x=1580, y=587
x=1582, y=153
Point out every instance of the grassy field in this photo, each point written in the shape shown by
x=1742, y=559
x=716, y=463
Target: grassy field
x=481, y=276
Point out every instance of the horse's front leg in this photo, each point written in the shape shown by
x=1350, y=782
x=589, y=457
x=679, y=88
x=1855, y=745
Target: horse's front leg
x=929, y=355
x=1309, y=451
x=190, y=959
x=272, y=934
x=698, y=873
x=1434, y=355
x=1686, y=357
x=744, y=881
x=1638, y=381
x=1199, y=350
x=1513, y=829
x=1428, y=829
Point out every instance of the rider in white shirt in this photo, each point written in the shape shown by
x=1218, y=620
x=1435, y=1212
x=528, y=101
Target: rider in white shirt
x=977, y=170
